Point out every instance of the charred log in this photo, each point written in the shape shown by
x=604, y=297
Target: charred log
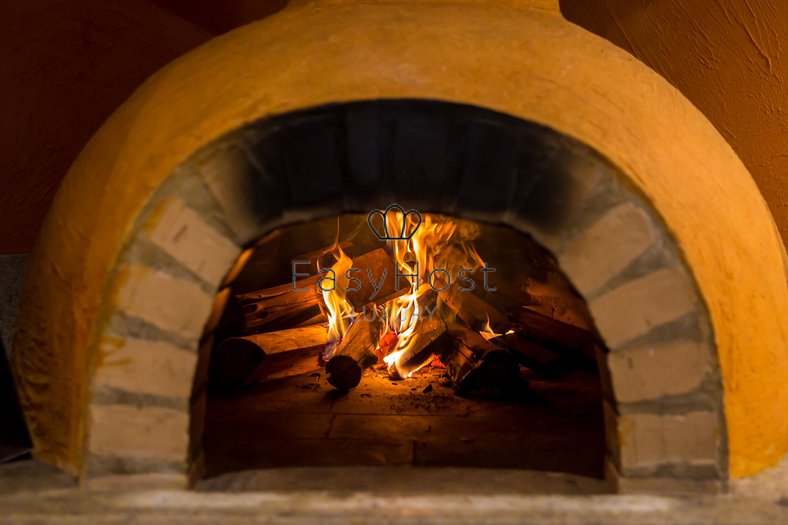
x=430, y=336
x=562, y=338
x=542, y=360
x=474, y=363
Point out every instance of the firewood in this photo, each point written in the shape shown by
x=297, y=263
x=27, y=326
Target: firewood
x=471, y=307
x=430, y=336
x=473, y=310
x=354, y=353
x=290, y=305
x=563, y=338
x=319, y=254
x=281, y=307
x=540, y=359
x=473, y=363
x=371, y=269
x=244, y=360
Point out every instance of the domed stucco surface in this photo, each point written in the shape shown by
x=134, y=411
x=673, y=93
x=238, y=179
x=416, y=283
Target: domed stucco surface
x=528, y=63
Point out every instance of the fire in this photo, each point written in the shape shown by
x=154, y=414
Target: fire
x=338, y=311
x=438, y=250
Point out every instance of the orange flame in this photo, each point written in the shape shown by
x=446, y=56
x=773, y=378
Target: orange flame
x=435, y=253
x=339, y=311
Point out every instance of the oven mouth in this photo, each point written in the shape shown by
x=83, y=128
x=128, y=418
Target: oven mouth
x=421, y=341
x=156, y=355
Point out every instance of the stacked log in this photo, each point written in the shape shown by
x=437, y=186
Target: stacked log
x=300, y=303
x=354, y=353
x=482, y=345
x=249, y=359
x=474, y=363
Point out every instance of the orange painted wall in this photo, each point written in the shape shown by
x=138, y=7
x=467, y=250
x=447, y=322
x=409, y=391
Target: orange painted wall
x=729, y=57
x=66, y=66
x=72, y=62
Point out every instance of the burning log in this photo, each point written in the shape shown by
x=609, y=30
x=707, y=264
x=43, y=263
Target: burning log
x=378, y=279
x=282, y=306
x=301, y=303
x=355, y=353
x=575, y=345
x=473, y=310
x=430, y=336
x=474, y=363
x=248, y=359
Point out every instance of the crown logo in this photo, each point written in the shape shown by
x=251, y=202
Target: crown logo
x=386, y=221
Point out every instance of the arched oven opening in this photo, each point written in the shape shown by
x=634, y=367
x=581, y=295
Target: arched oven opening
x=483, y=292
x=403, y=340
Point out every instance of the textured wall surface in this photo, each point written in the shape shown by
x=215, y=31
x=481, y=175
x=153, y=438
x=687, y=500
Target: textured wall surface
x=729, y=57
x=12, y=272
x=67, y=64
x=532, y=65
x=73, y=62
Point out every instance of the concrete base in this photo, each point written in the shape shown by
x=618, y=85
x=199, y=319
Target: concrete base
x=176, y=507
x=31, y=492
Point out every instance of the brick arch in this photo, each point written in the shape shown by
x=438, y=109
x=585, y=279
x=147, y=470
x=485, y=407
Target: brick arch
x=665, y=426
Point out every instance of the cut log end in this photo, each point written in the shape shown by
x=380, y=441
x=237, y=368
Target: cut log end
x=234, y=361
x=244, y=360
x=343, y=372
x=473, y=363
x=498, y=370
x=354, y=354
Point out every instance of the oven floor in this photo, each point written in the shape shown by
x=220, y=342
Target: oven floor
x=302, y=421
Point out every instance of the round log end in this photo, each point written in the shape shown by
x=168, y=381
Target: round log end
x=234, y=361
x=343, y=372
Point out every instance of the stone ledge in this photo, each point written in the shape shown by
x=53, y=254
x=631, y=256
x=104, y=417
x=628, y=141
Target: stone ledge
x=148, y=433
x=659, y=485
x=164, y=301
x=659, y=442
x=658, y=370
x=146, y=367
x=607, y=247
x=124, y=482
x=637, y=307
x=277, y=507
x=180, y=232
